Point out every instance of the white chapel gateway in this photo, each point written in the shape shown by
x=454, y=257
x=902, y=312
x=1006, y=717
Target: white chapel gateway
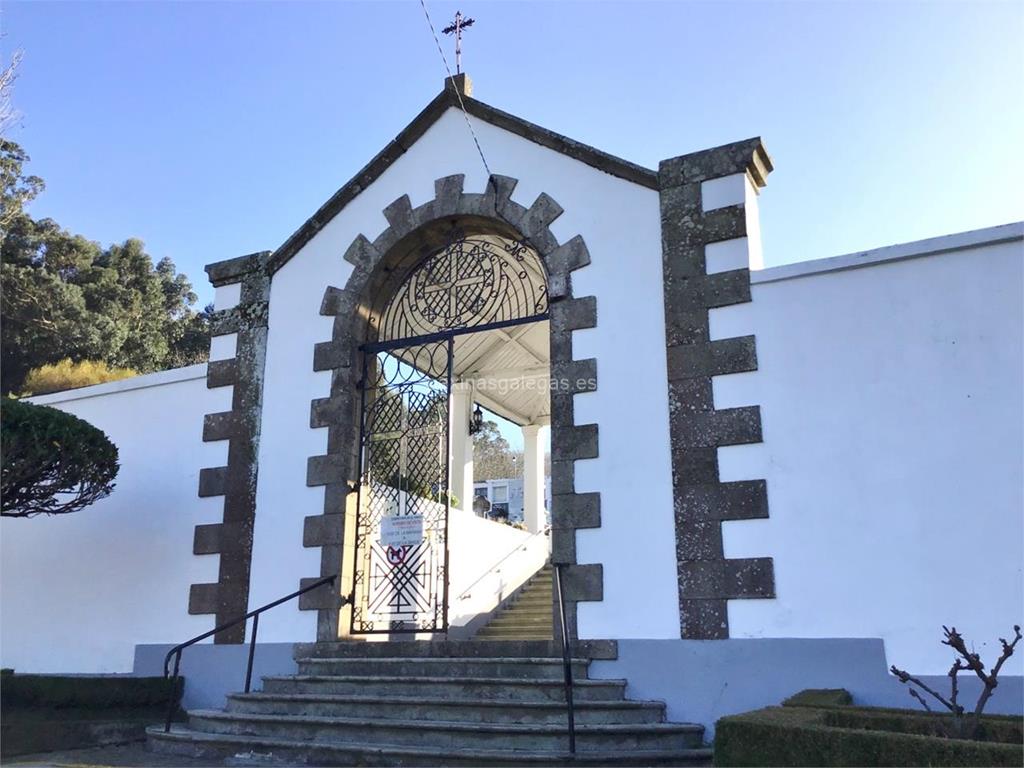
x=762, y=480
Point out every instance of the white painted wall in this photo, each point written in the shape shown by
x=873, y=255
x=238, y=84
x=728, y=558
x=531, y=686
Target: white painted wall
x=890, y=386
x=489, y=561
x=79, y=591
x=620, y=223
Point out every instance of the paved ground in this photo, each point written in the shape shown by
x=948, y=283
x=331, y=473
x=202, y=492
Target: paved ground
x=101, y=757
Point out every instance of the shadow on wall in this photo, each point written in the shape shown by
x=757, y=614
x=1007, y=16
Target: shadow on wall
x=211, y=671
x=703, y=680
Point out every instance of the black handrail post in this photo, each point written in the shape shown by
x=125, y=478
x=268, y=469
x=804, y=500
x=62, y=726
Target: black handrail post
x=174, y=690
x=566, y=660
x=252, y=652
x=254, y=615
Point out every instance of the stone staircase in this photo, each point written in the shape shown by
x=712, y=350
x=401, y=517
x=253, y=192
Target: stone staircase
x=433, y=703
x=529, y=616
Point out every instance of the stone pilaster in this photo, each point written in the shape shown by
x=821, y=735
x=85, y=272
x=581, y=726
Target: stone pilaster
x=707, y=580
x=228, y=597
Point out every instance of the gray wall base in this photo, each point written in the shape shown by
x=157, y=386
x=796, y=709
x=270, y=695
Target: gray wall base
x=703, y=680
x=213, y=671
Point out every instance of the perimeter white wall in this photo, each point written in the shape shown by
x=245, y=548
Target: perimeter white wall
x=79, y=591
x=620, y=223
x=890, y=386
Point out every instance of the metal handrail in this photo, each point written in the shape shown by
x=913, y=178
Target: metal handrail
x=255, y=616
x=467, y=592
x=566, y=659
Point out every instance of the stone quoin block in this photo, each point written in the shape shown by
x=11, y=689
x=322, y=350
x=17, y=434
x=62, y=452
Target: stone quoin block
x=321, y=598
x=723, y=224
x=583, y=582
x=212, y=481
x=729, y=426
x=714, y=358
x=561, y=263
x=738, y=500
x=690, y=396
x=575, y=376
x=362, y=253
x=399, y=216
x=574, y=314
x=328, y=411
x=207, y=539
x=575, y=443
x=203, y=598
x=576, y=510
x=700, y=540
x=729, y=579
x=704, y=619
x=338, y=302
x=447, y=191
x=331, y=355
x=563, y=545
x=321, y=470
x=219, y=426
x=321, y=530
x=497, y=199
x=221, y=373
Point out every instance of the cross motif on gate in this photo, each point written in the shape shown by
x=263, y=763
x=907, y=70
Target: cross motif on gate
x=452, y=281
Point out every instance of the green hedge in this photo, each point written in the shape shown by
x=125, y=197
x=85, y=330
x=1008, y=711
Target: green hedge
x=819, y=697
x=804, y=736
x=60, y=691
x=1008, y=730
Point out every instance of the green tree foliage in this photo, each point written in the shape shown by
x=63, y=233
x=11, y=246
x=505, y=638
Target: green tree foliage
x=65, y=296
x=54, y=463
x=57, y=377
x=493, y=458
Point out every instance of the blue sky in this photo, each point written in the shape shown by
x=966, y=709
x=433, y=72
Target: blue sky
x=213, y=130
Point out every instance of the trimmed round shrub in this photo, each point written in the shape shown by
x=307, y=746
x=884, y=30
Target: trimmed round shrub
x=53, y=463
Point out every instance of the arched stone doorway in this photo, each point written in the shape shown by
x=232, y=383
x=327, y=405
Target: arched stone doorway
x=445, y=322
x=398, y=301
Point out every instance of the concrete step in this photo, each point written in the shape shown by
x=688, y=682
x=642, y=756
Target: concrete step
x=450, y=649
x=514, y=633
x=469, y=710
x=501, y=688
x=547, y=668
x=522, y=618
x=540, y=603
x=450, y=734
x=540, y=623
x=185, y=742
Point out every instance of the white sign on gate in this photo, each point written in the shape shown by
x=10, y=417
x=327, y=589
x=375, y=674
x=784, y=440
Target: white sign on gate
x=401, y=530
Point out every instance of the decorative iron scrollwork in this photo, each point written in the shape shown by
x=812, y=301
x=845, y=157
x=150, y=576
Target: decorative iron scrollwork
x=471, y=281
x=404, y=474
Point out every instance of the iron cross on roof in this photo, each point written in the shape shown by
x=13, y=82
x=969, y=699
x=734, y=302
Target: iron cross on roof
x=456, y=28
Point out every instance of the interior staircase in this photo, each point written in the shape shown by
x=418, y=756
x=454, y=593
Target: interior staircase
x=528, y=616
x=433, y=703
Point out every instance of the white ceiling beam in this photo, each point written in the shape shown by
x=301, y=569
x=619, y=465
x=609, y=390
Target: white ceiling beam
x=502, y=410
x=509, y=373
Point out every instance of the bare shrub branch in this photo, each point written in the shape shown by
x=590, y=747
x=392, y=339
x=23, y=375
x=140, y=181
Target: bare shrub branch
x=966, y=659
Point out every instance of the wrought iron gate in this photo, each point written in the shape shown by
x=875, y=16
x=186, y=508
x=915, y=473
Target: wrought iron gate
x=400, y=580
x=471, y=284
